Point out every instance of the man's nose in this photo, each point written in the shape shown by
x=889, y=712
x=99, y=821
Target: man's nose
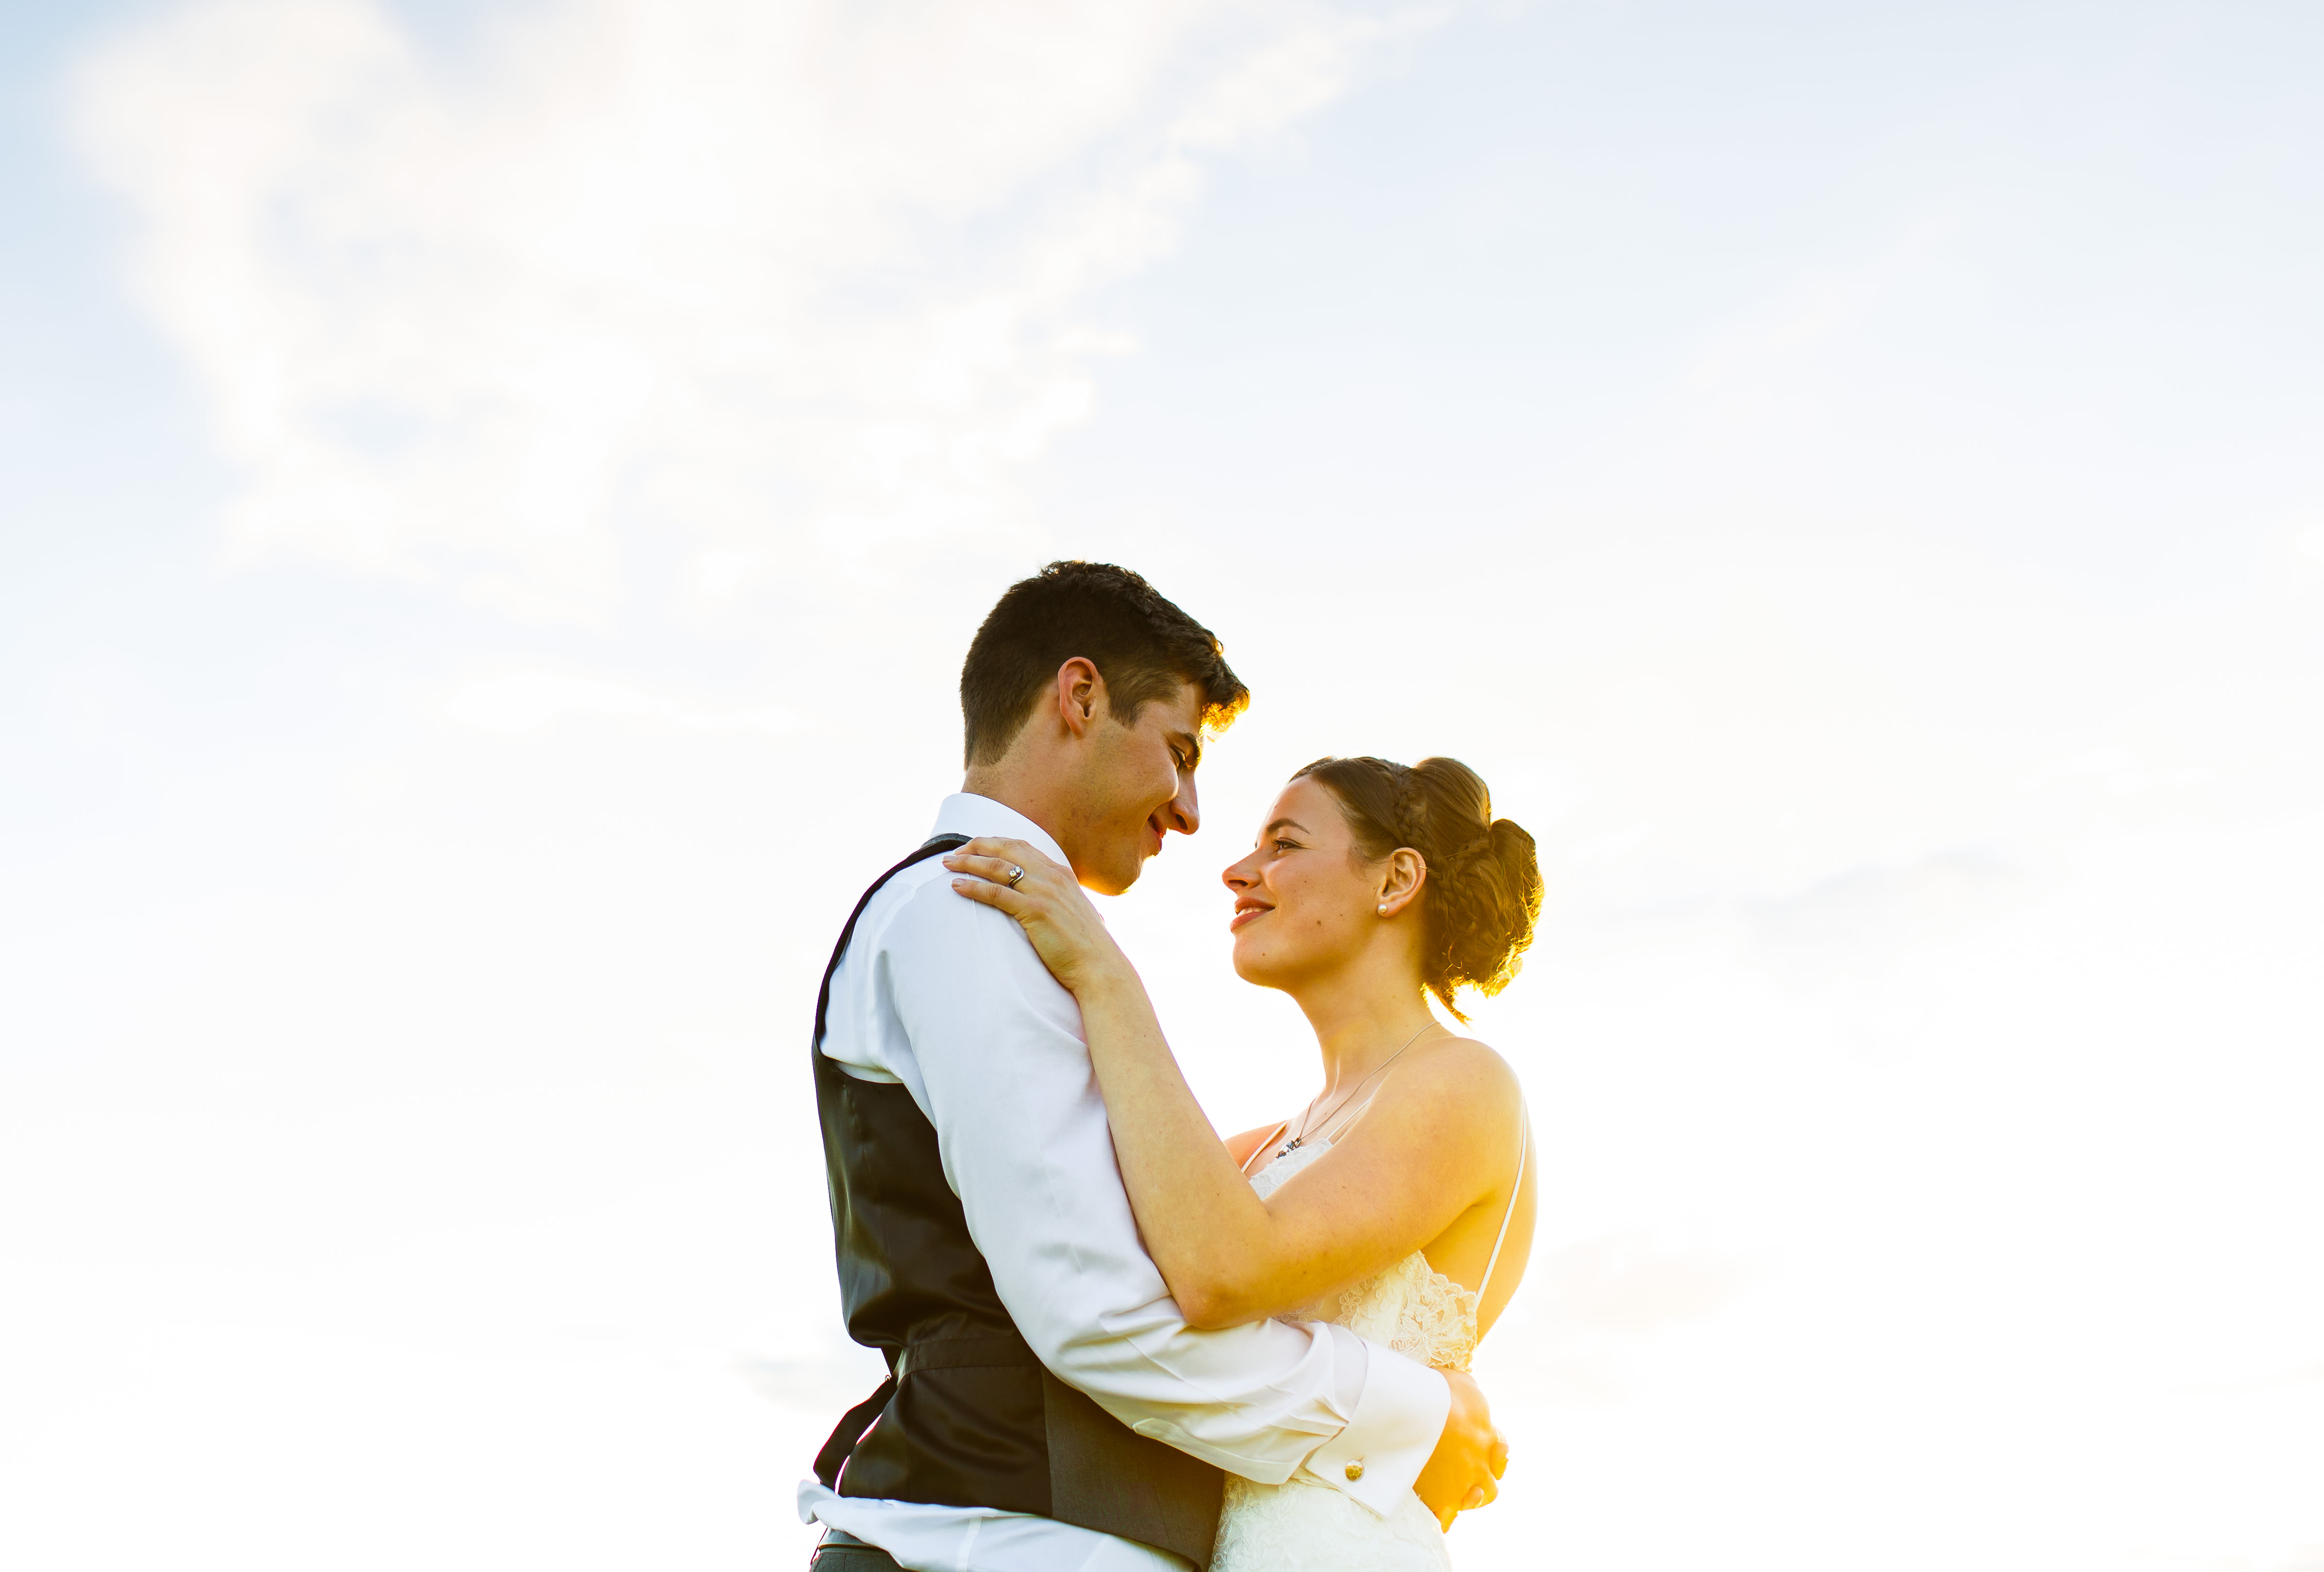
x=1185, y=815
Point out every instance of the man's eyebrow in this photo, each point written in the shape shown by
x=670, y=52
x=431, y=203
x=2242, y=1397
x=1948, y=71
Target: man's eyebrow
x=1283, y=824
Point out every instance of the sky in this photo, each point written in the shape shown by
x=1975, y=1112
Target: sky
x=495, y=498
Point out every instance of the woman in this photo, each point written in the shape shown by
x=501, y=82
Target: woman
x=1399, y=1201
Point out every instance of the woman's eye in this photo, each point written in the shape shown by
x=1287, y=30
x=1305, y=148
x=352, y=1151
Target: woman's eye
x=1286, y=845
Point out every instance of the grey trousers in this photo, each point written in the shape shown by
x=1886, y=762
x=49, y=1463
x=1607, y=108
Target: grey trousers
x=839, y=1552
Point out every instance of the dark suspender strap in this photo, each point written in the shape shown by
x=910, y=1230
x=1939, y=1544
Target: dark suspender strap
x=936, y=1353
x=850, y=1430
x=935, y=846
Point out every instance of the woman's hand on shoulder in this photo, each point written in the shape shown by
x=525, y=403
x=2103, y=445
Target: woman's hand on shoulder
x=1048, y=902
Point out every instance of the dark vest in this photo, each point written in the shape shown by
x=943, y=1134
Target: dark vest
x=967, y=1416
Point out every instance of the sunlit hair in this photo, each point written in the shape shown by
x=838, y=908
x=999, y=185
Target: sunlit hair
x=1140, y=644
x=1483, y=891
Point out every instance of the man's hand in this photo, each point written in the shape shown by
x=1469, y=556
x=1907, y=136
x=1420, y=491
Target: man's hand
x=1464, y=1472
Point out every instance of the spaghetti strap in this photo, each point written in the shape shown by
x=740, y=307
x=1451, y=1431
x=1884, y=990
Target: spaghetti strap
x=1524, y=1139
x=1280, y=1129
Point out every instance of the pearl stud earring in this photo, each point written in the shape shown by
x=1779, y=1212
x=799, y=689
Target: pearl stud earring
x=1383, y=911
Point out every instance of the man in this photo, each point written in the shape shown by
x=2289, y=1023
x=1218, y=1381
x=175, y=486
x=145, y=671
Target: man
x=1049, y=1409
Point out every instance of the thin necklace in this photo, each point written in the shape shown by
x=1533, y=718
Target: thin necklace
x=1296, y=1142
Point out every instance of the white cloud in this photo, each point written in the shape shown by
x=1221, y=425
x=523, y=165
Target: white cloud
x=786, y=278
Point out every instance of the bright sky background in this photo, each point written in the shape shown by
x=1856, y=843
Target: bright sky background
x=494, y=499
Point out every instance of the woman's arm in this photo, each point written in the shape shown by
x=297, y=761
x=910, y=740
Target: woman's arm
x=1438, y=1143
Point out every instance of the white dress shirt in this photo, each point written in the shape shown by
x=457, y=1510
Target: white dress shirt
x=948, y=997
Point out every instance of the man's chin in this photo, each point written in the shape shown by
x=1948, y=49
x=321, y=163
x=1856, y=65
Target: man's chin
x=1115, y=878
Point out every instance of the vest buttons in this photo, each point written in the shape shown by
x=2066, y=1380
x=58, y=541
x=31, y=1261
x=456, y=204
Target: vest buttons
x=1356, y=1469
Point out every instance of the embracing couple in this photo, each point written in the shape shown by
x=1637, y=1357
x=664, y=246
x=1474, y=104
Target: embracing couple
x=1115, y=1340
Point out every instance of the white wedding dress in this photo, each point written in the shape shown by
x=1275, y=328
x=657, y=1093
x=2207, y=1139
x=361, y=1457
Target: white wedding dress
x=1305, y=1525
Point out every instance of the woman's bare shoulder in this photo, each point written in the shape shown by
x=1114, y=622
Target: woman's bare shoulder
x=1462, y=1085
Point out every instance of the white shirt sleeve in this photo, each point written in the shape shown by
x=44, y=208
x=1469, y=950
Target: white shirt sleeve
x=997, y=1061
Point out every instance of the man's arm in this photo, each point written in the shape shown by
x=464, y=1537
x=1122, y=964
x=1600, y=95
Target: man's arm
x=1000, y=1068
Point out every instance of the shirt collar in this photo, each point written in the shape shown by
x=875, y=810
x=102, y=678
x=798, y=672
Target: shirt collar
x=966, y=813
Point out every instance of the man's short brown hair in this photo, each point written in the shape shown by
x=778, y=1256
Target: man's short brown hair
x=1140, y=644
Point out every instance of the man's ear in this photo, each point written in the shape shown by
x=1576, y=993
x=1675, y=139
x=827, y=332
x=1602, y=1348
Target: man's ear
x=1080, y=695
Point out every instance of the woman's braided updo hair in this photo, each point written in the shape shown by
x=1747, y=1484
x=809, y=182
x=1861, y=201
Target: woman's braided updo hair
x=1483, y=891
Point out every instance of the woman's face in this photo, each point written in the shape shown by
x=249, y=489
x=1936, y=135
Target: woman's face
x=1304, y=900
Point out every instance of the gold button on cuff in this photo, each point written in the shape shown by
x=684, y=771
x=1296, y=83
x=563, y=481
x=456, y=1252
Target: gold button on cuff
x=1356, y=1469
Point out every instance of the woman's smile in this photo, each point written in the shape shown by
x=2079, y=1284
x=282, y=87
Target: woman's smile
x=1246, y=908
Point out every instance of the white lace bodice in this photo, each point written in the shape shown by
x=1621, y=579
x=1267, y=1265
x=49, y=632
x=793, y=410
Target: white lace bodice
x=1304, y=1525
x=1411, y=1307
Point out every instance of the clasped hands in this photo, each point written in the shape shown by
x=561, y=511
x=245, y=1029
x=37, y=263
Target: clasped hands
x=1464, y=1472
